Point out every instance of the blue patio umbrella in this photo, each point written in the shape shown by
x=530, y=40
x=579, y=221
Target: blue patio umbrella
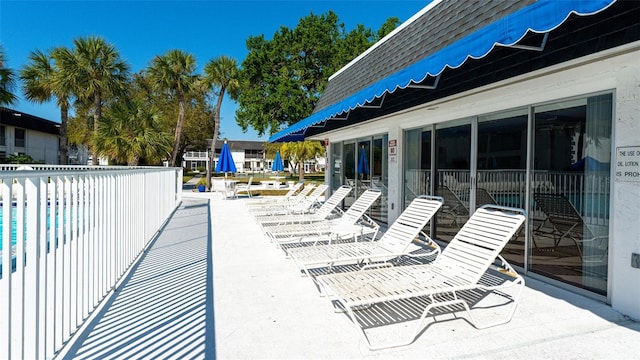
x=225, y=161
x=277, y=163
x=363, y=162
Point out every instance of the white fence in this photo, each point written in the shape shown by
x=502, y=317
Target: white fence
x=68, y=236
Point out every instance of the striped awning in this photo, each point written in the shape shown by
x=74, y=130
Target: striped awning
x=539, y=17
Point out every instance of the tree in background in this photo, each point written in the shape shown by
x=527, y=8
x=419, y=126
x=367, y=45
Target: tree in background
x=220, y=76
x=42, y=79
x=163, y=110
x=7, y=83
x=173, y=74
x=97, y=72
x=131, y=130
x=299, y=152
x=282, y=79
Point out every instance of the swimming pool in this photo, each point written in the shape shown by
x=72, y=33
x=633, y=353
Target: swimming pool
x=14, y=232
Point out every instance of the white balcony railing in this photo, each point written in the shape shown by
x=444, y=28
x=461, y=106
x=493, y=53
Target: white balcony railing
x=189, y=155
x=68, y=235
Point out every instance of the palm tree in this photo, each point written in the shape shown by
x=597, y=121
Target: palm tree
x=7, y=82
x=130, y=131
x=221, y=75
x=174, y=73
x=97, y=71
x=41, y=81
x=299, y=152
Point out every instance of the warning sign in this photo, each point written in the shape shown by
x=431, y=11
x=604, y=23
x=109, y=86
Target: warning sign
x=393, y=156
x=628, y=163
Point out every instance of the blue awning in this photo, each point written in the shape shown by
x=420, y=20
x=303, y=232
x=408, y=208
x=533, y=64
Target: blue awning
x=540, y=17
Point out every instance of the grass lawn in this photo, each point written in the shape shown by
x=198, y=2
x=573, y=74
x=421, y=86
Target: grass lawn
x=257, y=177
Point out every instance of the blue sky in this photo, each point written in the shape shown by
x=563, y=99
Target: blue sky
x=142, y=29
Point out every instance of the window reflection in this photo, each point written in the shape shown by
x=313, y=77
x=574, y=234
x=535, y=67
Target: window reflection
x=571, y=193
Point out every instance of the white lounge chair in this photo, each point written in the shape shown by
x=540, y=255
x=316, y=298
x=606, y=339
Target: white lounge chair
x=322, y=213
x=300, y=196
x=394, y=243
x=438, y=284
x=304, y=204
x=274, y=199
x=245, y=188
x=353, y=224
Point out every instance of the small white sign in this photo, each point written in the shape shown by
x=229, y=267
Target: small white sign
x=393, y=157
x=628, y=163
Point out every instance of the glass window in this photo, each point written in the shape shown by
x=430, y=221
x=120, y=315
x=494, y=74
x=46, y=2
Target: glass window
x=349, y=169
x=571, y=190
x=336, y=168
x=417, y=164
x=3, y=141
x=501, y=169
x=20, y=137
x=379, y=175
x=453, y=152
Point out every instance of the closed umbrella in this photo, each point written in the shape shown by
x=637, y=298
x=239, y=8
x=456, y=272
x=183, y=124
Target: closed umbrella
x=277, y=163
x=363, y=162
x=225, y=161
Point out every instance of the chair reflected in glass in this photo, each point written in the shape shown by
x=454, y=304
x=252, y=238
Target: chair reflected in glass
x=565, y=222
x=453, y=213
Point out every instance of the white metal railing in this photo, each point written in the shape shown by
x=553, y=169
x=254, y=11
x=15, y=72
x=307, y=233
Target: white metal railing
x=68, y=236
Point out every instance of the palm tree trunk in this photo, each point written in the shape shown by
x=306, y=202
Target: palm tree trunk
x=301, y=170
x=176, y=141
x=97, y=114
x=64, y=117
x=216, y=115
x=216, y=129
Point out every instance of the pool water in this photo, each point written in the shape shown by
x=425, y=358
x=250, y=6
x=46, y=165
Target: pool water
x=13, y=228
x=13, y=233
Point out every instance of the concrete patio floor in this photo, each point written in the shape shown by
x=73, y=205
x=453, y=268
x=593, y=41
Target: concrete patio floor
x=259, y=307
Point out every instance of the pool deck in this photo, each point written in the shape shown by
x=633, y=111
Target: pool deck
x=212, y=286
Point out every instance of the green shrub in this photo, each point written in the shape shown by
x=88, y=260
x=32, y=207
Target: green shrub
x=21, y=159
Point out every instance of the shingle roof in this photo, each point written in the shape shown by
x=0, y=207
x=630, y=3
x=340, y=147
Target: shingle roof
x=435, y=29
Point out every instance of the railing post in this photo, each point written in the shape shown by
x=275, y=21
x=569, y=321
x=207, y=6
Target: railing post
x=6, y=285
x=32, y=271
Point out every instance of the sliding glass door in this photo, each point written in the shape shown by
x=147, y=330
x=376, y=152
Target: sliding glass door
x=350, y=176
x=453, y=182
x=417, y=164
x=570, y=189
x=363, y=164
x=501, y=169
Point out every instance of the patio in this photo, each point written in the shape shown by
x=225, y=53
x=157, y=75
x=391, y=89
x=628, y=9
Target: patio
x=259, y=307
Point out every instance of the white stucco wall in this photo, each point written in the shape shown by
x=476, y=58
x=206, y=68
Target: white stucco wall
x=42, y=146
x=616, y=70
x=625, y=280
